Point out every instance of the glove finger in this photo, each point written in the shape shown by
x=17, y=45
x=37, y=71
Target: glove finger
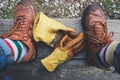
x=64, y=41
x=78, y=47
x=75, y=41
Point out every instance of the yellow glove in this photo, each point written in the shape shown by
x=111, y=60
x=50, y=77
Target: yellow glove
x=54, y=59
x=45, y=28
x=64, y=52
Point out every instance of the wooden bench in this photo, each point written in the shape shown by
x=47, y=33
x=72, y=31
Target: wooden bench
x=74, y=69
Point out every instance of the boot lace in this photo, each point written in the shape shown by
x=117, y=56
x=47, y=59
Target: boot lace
x=99, y=34
x=19, y=25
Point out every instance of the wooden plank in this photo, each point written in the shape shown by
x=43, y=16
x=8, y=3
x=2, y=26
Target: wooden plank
x=116, y=37
x=113, y=25
x=6, y=22
x=74, y=23
x=71, y=70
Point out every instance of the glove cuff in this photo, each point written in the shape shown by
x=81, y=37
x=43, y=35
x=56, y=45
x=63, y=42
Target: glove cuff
x=54, y=59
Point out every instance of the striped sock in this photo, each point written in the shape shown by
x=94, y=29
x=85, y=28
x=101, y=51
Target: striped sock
x=106, y=53
x=18, y=49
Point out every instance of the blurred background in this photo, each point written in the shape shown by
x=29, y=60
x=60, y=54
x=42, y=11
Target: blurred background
x=62, y=8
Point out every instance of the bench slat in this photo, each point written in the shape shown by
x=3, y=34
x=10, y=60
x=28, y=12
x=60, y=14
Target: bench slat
x=71, y=70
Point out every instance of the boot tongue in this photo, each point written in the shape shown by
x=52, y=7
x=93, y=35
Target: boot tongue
x=98, y=30
x=97, y=33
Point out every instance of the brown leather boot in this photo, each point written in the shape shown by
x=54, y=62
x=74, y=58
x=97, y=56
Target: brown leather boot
x=22, y=27
x=95, y=27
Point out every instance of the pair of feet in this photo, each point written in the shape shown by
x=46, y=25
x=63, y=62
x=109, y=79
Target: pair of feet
x=93, y=21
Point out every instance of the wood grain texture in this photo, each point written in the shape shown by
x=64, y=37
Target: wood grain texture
x=74, y=69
